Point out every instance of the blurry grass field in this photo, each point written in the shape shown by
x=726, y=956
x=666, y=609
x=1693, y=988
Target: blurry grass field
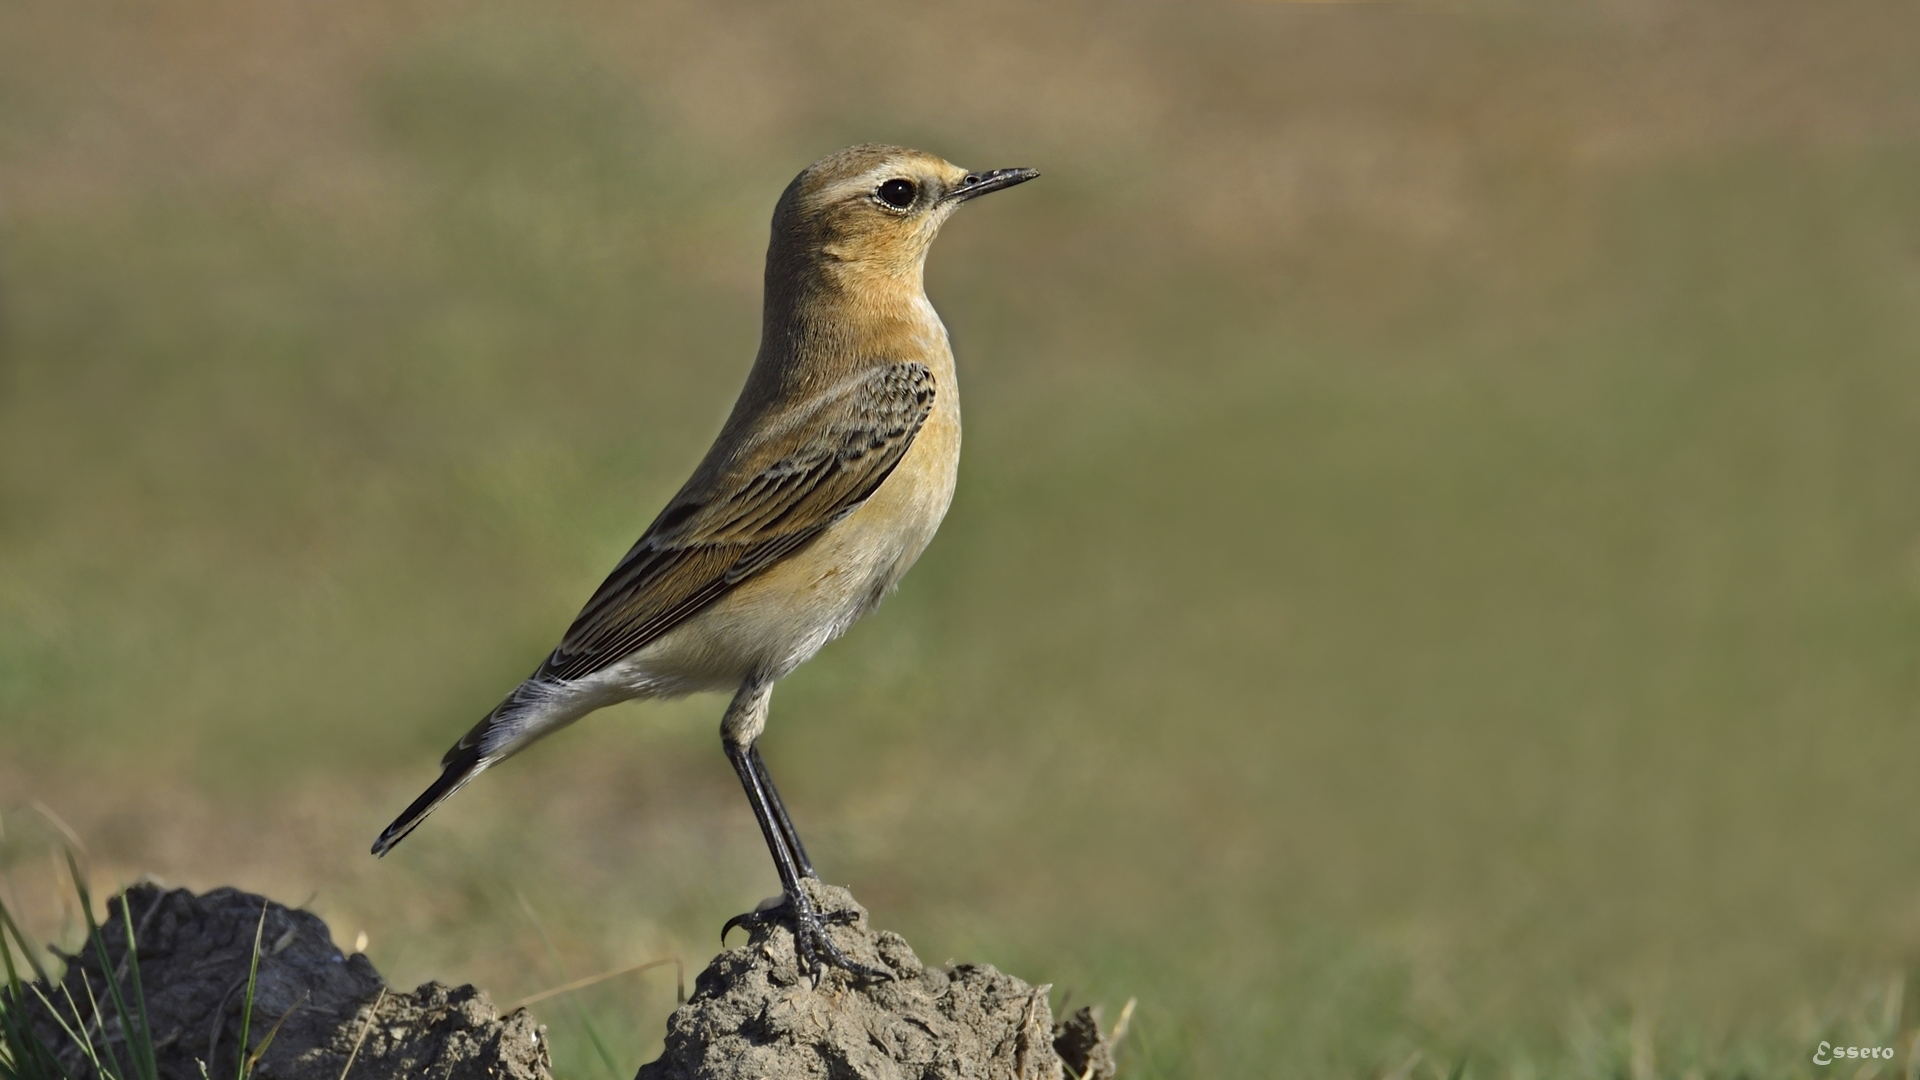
x=1436, y=568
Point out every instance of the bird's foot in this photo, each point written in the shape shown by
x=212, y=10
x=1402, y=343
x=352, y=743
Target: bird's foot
x=811, y=944
x=780, y=910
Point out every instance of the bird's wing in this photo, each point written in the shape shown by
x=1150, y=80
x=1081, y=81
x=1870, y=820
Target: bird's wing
x=772, y=496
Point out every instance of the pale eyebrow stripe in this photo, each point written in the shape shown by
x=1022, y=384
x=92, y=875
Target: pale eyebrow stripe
x=863, y=183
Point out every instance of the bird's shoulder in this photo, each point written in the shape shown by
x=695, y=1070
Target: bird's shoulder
x=843, y=419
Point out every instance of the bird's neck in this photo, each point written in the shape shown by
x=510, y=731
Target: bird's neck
x=829, y=319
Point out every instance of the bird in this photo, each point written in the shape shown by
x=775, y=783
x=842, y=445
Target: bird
x=825, y=483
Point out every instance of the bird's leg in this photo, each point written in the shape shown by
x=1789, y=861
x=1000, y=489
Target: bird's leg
x=810, y=939
x=789, y=834
x=780, y=818
x=739, y=732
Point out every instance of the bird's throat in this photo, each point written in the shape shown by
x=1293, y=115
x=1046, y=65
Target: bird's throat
x=826, y=328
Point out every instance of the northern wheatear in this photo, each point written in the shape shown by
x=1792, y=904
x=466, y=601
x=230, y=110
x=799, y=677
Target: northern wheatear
x=825, y=484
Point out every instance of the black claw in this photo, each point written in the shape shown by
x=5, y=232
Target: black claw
x=810, y=939
x=761, y=916
x=748, y=919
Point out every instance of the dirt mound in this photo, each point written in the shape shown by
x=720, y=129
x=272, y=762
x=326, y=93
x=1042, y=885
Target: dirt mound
x=194, y=953
x=325, y=1016
x=754, y=1016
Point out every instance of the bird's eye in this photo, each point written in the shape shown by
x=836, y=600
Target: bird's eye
x=898, y=194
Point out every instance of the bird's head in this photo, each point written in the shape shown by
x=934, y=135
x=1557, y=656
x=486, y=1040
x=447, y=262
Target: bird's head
x=872, y=210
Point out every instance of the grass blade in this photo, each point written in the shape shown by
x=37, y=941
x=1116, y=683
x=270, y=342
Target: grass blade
x=106, y=971
x=246, y=1009
x=372, y=1015
x=22, y=1055
x=140, y=1046
x=580, y=1011
x=111, y=1068
x=8, y=925
x=599, y=1045
x=581, y=984
x=80, y=1038
x=260, y=1051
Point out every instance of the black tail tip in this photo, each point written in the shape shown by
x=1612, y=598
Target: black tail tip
x=397, y=832
x=452, y=779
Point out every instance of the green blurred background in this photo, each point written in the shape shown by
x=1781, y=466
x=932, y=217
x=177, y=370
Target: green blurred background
x=1436, y=568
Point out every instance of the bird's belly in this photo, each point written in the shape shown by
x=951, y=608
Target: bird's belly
x=773, y=622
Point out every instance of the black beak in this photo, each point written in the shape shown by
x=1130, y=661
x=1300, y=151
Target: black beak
x=980, y=183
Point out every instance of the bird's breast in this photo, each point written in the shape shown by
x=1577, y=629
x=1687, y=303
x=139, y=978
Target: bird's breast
x=867, y=552
x=851, y=567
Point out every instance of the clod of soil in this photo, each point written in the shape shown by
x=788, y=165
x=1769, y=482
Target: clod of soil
x=321, y=1008
x=754, y=1016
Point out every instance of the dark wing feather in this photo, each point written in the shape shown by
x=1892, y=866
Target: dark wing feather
x=743, y=513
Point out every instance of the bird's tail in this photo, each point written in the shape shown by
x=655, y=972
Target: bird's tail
x=462, y=764
x=535, y=708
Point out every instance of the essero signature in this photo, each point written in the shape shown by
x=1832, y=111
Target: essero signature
x=1829, y=1053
